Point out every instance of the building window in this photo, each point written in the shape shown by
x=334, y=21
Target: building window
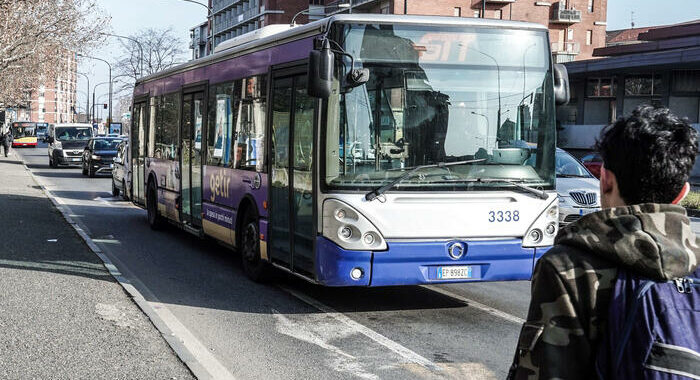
x=457, y=12
x=685, y=81
x=643, y=85
x=498, y=14
x=570, y=34
x=589, y=37
x=600, y=87
x=590, y=6
x=476, y=13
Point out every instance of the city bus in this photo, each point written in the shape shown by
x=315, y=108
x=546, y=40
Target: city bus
x=360, y=150
x=23, y=134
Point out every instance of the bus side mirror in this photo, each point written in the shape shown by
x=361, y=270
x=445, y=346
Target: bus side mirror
x=320, y=74
x=561, y=84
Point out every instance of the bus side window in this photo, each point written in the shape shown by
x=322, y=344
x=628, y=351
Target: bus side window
x=249, y=142
x=220, y=125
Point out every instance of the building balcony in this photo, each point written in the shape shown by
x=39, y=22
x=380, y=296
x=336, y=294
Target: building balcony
x=564, y=16
x=565, y=52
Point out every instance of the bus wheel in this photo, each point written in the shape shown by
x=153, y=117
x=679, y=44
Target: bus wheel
x=253, y=265
x=154, y=220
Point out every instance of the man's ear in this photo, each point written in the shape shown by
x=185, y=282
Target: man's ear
x=607, y=180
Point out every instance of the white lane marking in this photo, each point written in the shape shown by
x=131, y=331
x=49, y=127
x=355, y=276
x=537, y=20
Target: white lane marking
x=397, y=348
x=477, y=305
x=319, y=329
x=188, y=348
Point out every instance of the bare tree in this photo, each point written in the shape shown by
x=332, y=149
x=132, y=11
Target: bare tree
x=35, y=38
x=162, y=49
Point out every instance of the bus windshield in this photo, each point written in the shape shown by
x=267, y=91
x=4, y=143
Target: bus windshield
x=482, y=96
x=19, y=132
x=73, y=133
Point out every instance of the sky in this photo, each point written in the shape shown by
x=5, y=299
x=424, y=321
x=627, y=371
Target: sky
x=129, y=16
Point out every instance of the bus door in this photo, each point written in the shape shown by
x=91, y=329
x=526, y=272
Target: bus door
x=138, y=151
x=292, y=228
x=191, y=158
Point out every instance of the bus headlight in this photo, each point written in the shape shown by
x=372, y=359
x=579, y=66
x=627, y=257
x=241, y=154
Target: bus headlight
x=349, y=229
x=543, y=231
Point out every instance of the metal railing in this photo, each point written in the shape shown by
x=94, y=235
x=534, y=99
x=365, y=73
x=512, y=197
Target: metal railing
x=563, y=15
x=566, y=47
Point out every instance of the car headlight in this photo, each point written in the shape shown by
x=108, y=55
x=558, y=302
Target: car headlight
x=542, y=232
x=346, y=227
x=95, y=157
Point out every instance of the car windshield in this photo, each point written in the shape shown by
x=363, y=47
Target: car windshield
x=107, y=144
x=19, y=132
x=73, y=133
x=567, y=166
x=441, y=94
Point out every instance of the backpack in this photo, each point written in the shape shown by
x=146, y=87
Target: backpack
x=653, y=330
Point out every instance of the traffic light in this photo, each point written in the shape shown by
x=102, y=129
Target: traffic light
x=104, y=106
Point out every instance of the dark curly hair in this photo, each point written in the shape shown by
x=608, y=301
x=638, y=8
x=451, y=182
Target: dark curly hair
x=651, y=153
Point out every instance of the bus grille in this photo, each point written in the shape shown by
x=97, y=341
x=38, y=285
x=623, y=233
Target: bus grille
x=584, y=199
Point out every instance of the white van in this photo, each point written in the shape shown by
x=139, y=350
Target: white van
x=66, y=143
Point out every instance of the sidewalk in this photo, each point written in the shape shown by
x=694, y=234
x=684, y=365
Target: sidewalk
x=62, y=315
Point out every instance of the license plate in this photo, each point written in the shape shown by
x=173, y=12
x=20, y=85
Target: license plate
x=75, y=159
x=454, y=272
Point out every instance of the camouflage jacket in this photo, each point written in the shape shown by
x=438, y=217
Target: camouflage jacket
x=572, y=283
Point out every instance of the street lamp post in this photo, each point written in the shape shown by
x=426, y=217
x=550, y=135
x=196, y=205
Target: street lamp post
x=137, y=43
x=110, y=81
x=210, y=16
x=87, y=96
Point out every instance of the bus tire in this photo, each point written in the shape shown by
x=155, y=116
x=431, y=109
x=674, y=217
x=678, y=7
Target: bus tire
x=254, y=266
x=154, y=220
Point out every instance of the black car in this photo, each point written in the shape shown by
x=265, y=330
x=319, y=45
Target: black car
x=98, y=156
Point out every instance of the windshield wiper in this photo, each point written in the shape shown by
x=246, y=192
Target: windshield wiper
x=571, y=176
x=372, y=195
x=539, y=193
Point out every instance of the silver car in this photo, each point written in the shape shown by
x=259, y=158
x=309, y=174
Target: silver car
x=578, y=189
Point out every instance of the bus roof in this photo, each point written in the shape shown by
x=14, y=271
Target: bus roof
x=320, y=26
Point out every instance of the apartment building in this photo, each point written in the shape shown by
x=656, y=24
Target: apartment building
x=576, y=27
x=54, y=99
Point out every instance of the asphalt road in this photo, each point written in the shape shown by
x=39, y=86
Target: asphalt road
x=289, y=328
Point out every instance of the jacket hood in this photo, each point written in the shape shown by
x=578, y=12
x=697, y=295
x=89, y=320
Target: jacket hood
x=652, y=240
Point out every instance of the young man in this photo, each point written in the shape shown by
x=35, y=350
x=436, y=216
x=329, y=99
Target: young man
x=647, y=159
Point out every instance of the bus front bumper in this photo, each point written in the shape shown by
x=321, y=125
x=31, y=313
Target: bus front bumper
x=416, y=263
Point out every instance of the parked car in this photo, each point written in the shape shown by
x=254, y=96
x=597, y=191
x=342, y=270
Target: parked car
x=593, y=162
x=578, y=190
x=98, y=156
x=121, y=174
x=66, y=143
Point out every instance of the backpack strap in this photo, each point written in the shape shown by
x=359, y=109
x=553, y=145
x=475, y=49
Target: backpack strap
x=629, y=321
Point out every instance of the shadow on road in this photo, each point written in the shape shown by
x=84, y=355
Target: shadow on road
x=36, y=237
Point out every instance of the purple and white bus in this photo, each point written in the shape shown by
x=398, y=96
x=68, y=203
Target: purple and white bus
x=360, y=150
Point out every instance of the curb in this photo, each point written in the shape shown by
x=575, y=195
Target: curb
x=197, y=369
